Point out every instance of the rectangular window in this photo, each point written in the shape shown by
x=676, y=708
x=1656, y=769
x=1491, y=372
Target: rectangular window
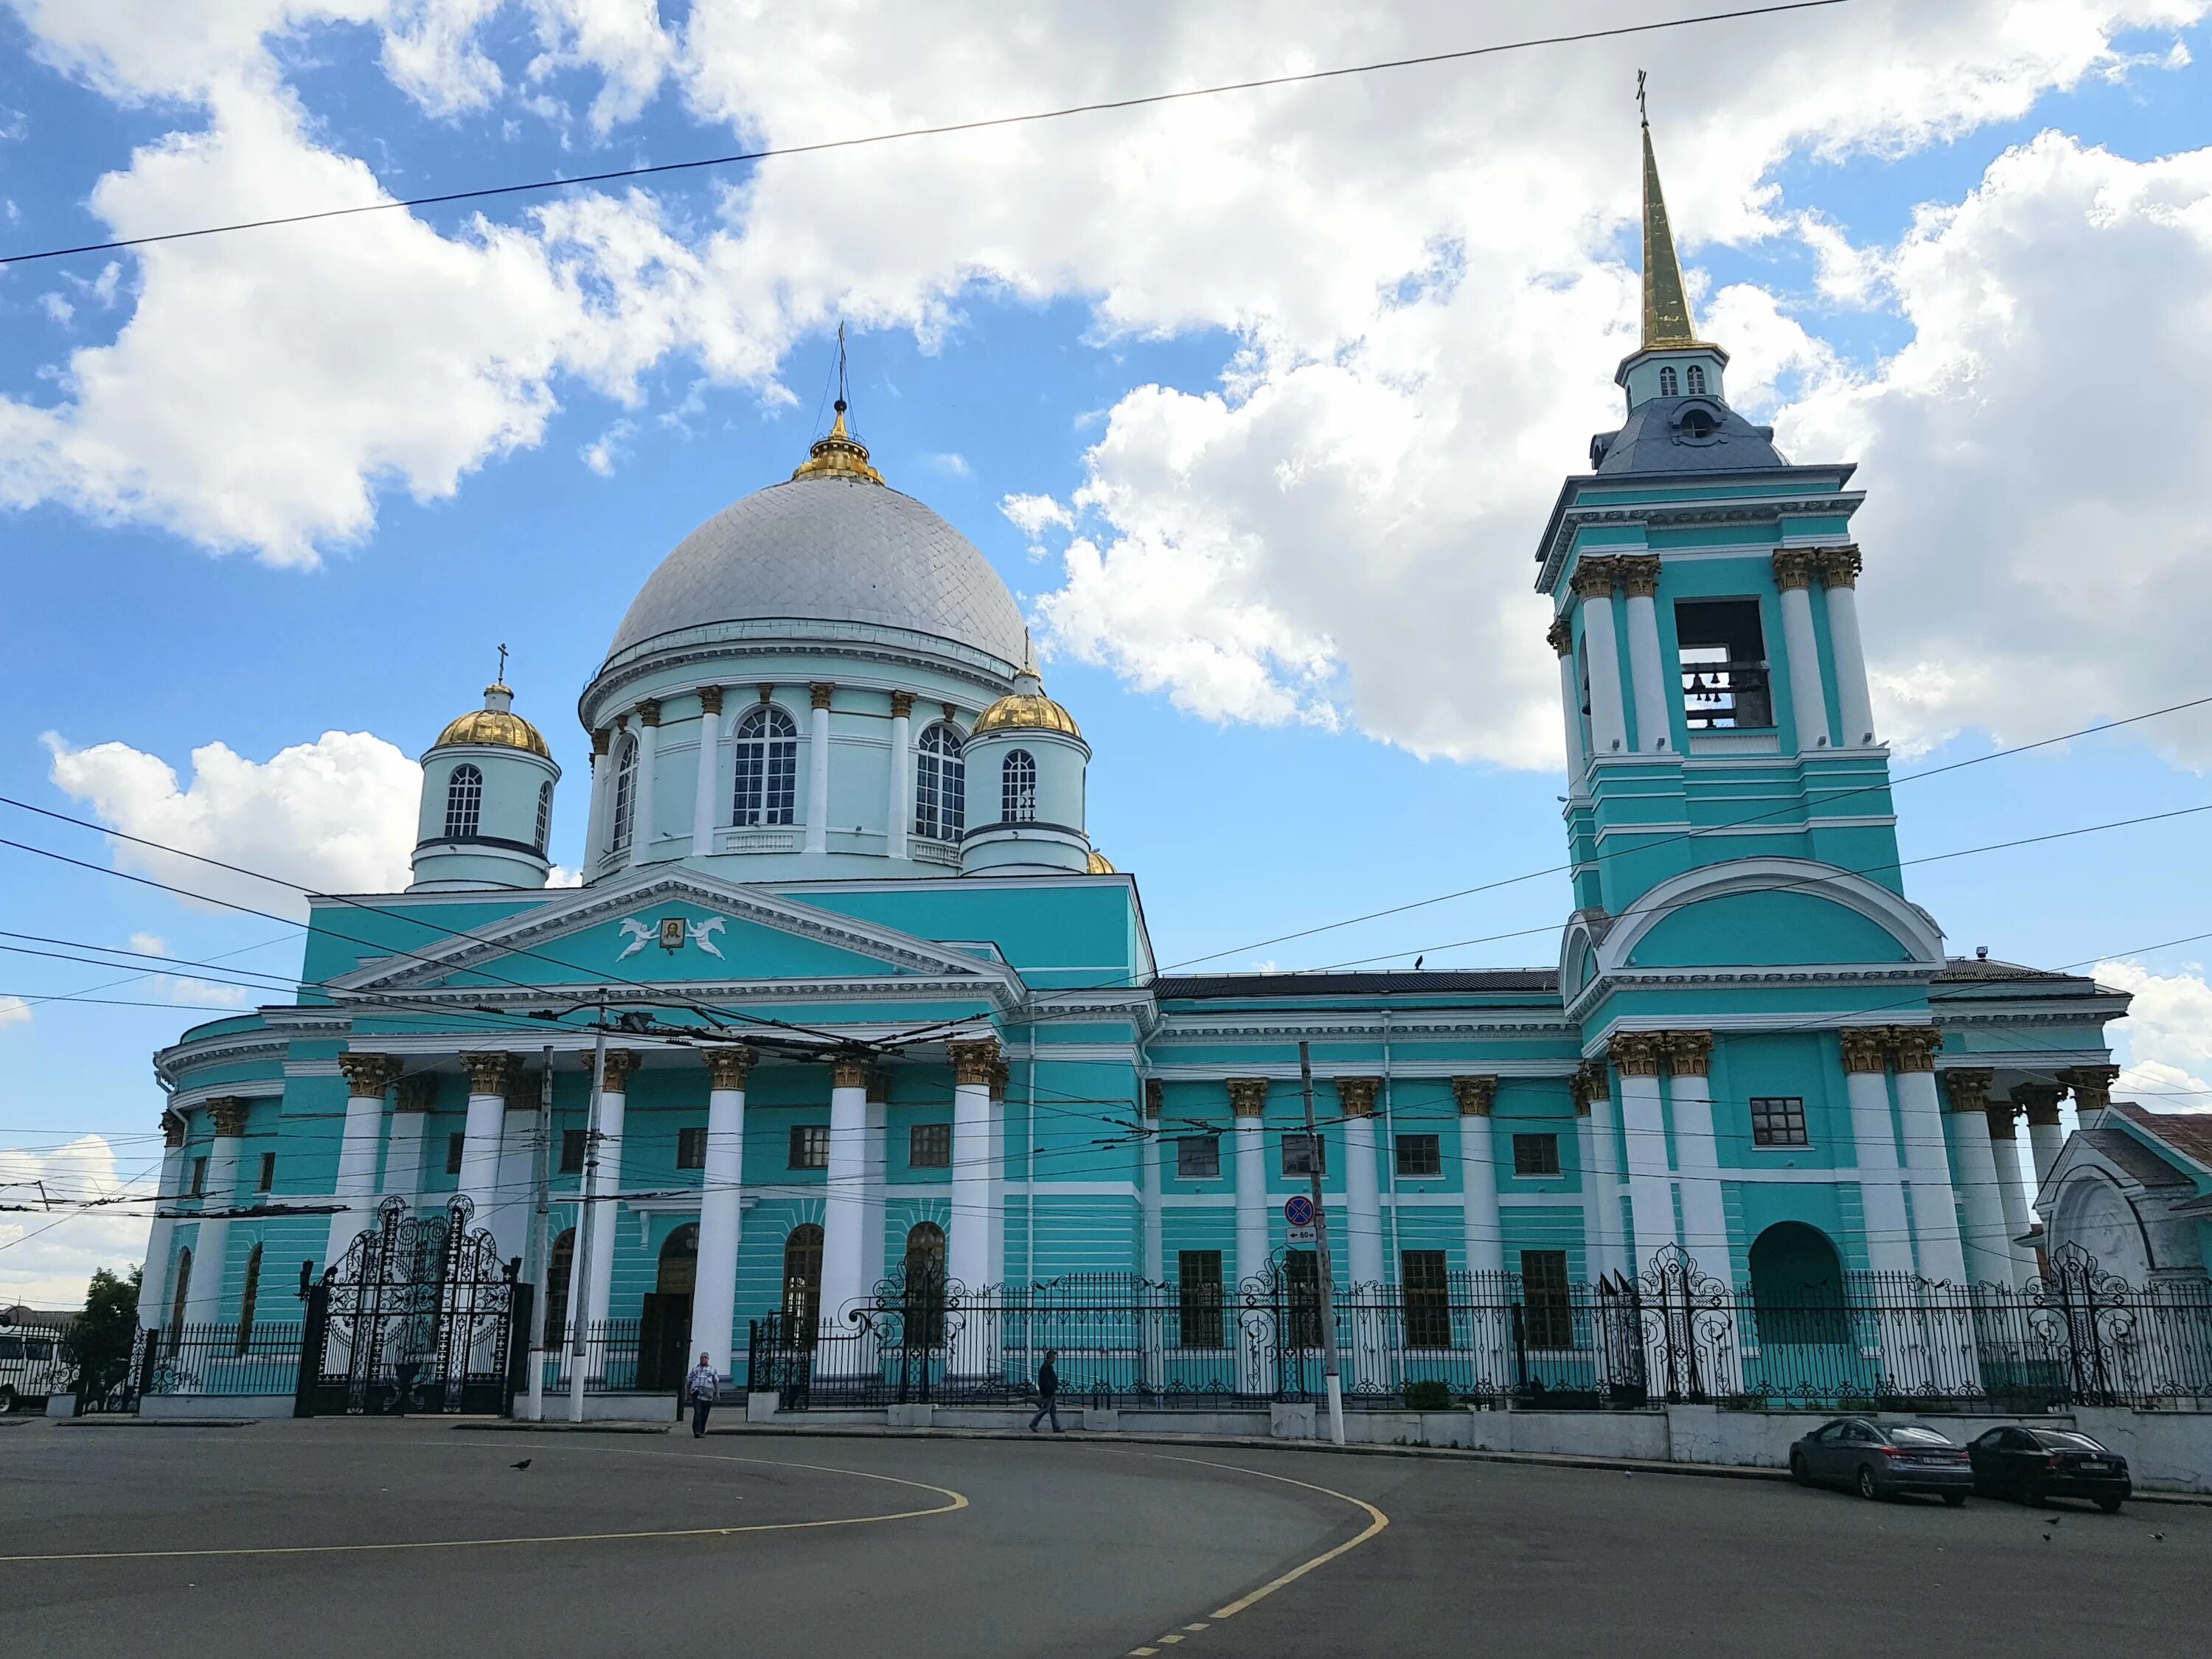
x=1535, y=1155
x=1723, y=659
x=266, y=1182
x=1427, y=1284
x=691, y=1149
x=1305, y=1155
x=1548, y=1306
x=809, y=1146
x=1421, y=1157
x=929, y=1147
x=1778, y=1121
x=1198, y=1303
x=1198, y=1157
x=453, y=1144
x=199, y=1177
x=571, y=1152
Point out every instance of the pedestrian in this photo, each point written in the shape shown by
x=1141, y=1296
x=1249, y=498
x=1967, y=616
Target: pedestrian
x=701, y=1387
x=1047, y=1393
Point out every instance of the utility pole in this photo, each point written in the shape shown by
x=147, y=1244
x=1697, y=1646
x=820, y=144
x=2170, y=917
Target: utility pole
x=579, y=1259
x=1320, y=1252
x=541, y=1173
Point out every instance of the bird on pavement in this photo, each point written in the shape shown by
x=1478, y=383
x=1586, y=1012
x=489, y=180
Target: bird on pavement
x=524, y=1464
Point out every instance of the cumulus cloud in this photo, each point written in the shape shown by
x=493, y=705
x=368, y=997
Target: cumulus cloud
x=13, y=1011
x=2166, y=1037
x=47, y=1260
x=337, y=815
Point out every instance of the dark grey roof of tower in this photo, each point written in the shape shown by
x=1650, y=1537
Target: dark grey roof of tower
x=1654, y=439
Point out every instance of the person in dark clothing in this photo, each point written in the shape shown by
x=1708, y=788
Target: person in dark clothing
x=1047, y=1393
x=701, y=1387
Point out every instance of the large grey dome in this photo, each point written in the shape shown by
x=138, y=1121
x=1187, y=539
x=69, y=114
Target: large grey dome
x=829, y=548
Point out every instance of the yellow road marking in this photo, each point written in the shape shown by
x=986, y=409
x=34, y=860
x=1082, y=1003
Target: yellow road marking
x=1376, y=1521
x=1201, y=1625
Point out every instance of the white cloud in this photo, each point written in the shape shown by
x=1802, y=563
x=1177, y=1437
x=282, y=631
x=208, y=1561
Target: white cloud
x=561, y=876
x=205, y=994
x=13, y=1011
x=337, y=815
x=56, y=308
x=149, y=945
x=2166, y=1037
x=47, y=1260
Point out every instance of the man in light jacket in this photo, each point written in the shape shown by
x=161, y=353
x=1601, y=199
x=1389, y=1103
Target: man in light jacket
x=701, y=1389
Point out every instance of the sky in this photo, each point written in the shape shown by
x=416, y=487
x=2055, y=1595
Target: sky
x=1256, y=401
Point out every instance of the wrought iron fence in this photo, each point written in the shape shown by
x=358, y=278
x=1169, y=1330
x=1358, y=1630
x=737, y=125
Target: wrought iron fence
x=228, y=1359
x=611, y=1362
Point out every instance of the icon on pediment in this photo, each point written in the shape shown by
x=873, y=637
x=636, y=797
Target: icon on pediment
x=672, y=933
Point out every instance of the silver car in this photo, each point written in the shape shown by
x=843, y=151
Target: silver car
x=1880, y=1457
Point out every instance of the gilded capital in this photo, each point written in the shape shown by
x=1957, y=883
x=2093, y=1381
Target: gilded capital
x=728, y=1067
x=2039, y=1101
x=648, y=711
x=820, y=690
x=1792, y=568
x=1476, y=1094
x=2092, y=1085
x=1589, y=1085
x=1357, y=1095
x=2000, y=1114
x=418, y=1093
x=1838, y=566
x=1561, y=637
x=173, y=1127
x=1155, y=1096
x=369, y=1075
x=1637, y=1052
x=490, y=1074
x=1866, y=1049
x=850, y=1072
x=1916, y=1047
x=1690, y=1054
x=1001, y=1075
x=710, y=699
x=601, y=740
x=975, y=1062
x=1639, y=575
x=1594, y=579
x=620, y=1063
x=1969, y=1089
x=901, y=705
x=229, y=1115
x=878, y=1085
x=1248, y=1095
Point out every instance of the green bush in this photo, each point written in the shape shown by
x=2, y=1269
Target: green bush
x=1429, y=1395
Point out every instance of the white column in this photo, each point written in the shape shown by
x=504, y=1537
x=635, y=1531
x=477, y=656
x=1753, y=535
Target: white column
x=715, y=1293
x=1150, y=1150
x=1984, y=1238
x=1874, y=1140
x=1594, y=582
x=901, y=808
x=1920, y=1116
x=1793, y=572
x=875, y=1172
x=603, y=1184
x=1640, y=574
x=154, y=1277
x=845, y=1278
x=1839, y=570
x=1705, y=1217
x=1596, y=1095
x=516, y=1200
x=1363, y=1192
x=360, y=1147
x=642, y=826
x=1562, y=639
x=2004, y=1147
x=403, y=1151
x=2045, y=1136
x=1485, y=1237
x=1651, y=1190
x=706, y=809
x=994, y=1248
x=818, y=774
x=968, y=1255
x=489, y=1078
x=595, y=840
x=1248, y=1100
x=211, y=1250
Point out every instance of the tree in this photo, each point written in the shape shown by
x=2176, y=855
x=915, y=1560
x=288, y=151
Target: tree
x=99, y=1344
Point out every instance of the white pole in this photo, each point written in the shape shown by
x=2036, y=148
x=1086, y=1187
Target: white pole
x=578, y=1313
x=1320, y=1252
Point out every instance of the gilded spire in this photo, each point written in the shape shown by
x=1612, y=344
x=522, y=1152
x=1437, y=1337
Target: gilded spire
x=1665, y=306
x=840, y=455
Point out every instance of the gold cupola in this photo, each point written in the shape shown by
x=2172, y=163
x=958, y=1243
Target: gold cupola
x=494, y=725
x=840, y=455
x=1026, y=708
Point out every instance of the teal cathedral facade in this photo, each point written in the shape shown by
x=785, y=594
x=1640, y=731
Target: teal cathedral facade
x=888, y=1004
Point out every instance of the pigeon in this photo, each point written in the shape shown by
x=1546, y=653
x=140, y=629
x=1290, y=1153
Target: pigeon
x=2052, y=1520
x=1418, y=961
x=524, y=1464
x=2047, y=1538
x=2158, y=1538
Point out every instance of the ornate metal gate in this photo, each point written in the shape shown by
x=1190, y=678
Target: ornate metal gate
x=419, y=1317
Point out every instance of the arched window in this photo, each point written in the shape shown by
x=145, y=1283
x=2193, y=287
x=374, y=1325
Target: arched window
x=544, y=815
x=253, y=1295
x=1695, y=377
x=802, y=1282
x=767, y=767
x=924, y=1305
x=1018, y=787
x=625, y=811
x=1667, y=385
x=463, y=802
x=557, y=1269
x=940, y=785
x=184, y=1295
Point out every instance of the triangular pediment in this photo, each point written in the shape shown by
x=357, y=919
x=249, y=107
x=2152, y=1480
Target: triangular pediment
x=678, y=927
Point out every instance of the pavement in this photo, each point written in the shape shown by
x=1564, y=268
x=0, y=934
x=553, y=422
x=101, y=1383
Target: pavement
x=330, y=1536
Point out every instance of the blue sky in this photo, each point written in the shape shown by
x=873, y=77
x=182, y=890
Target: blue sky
x=1329, y=510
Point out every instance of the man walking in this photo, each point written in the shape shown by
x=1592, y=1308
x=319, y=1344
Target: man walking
x=701, y=1387
x=1047, y=1393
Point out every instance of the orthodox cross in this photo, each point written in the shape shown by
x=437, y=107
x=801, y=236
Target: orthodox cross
x=841, y=403
x=502, y=665
x=1643, y=114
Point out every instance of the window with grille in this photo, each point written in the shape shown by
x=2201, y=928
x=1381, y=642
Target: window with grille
x=1778, y=1121
x=1694, y=378
x=199, y=1177
x=1198, y=1274
x=1548, y=1306
x=1198, y=1157
x=767, y=770
x=463, y=802
x=1535, y=1155
x=1426, y=1279
x=1668, y=386
x=571, y=1152
x=1421, y=1157
x=809, y=1146
x=454, y=1144
x=1018, y=787
x=266, y=1182
x=544, y=815
x=940, y=785
x=691, y=1149
x=625, y=808
x=1304, y=1154
x=929, y=1147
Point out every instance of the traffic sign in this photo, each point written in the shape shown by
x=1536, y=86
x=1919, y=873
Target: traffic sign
x=1298, y=1211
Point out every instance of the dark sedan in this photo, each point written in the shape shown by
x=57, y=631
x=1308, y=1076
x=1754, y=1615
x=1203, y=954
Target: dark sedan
x=2036, y=1465
x=1880, y=1457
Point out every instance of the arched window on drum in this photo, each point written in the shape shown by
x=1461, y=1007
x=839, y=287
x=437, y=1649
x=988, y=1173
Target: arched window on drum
x=544, y=815
x=625, y=809
x=940, y=785
x=767, y=789
x=463, y=802
x=1018, y=787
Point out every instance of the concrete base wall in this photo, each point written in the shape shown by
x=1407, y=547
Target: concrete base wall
x=2166, y=1451
x=191, y=1407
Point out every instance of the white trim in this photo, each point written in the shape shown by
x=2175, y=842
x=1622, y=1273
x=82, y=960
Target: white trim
x=1906, y=922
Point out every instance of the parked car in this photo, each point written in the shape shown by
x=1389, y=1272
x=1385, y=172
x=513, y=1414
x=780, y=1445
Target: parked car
x=1880, y=1457
x=32, y=1364
x=2036, y=1465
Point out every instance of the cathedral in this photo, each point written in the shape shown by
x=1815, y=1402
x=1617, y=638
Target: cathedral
x=847, y=995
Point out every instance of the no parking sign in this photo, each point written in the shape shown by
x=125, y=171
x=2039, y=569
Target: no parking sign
x=1299, y=1212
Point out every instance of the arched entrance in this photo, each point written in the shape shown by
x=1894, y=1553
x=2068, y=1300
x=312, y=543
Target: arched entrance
x=802, y=1282
x=1797, y=1288
x=925, y=1285
x=664, y=1332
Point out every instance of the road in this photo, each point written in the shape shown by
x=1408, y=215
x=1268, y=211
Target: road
x=330, y=1536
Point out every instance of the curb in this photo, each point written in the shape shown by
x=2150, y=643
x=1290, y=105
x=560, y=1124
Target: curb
x=517, y=1425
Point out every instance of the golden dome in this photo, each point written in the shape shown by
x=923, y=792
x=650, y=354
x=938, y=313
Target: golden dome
x=494, y=725
x=1026, y=711
x=840, y=455
x=1100, y=864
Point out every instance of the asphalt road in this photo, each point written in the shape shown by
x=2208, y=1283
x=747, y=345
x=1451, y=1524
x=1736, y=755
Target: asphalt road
x=399, y=1538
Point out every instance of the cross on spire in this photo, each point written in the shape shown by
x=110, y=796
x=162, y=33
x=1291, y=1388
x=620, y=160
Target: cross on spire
x=501, y=676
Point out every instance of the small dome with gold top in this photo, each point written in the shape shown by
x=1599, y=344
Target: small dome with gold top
x=494, y=725
x=1026, y=708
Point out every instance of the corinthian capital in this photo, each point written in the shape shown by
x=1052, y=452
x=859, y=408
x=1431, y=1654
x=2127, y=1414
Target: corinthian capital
x=2092, y=1086
x=1357, y=1095
x=1969, y=1090
x=1690, y=1054
x=1637, y=1052
x=975, y=1062
x=728, y=1067
x=1561, y=637
x=1639, y=575
x=1476, y=1094
x=1838, y=566
x=1792, y=568
x=620, y=1063
x=1866, y=1049
x=1248, y=1095
x=1594, y=578
x=173, y=1128
x=1916, y=1047
x=369, y=1075
x=1154, y=1094
x=229, y=1115
x=489, y=1074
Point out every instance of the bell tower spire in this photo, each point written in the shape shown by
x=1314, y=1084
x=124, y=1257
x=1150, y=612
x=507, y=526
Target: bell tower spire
x=1672, y=360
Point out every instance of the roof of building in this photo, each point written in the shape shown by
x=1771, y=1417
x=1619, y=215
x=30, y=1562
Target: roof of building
x=1685, y=434
x=1958, y=969
x=494, y=725
x=2134, y=1158
x=829, y=546
x=1392, y=982
x=2189, y=1134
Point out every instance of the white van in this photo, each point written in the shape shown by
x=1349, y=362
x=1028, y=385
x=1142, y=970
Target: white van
x=31, y=1363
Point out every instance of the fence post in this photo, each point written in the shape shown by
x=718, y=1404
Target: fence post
x=520, y=1348
x=312, y=1330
